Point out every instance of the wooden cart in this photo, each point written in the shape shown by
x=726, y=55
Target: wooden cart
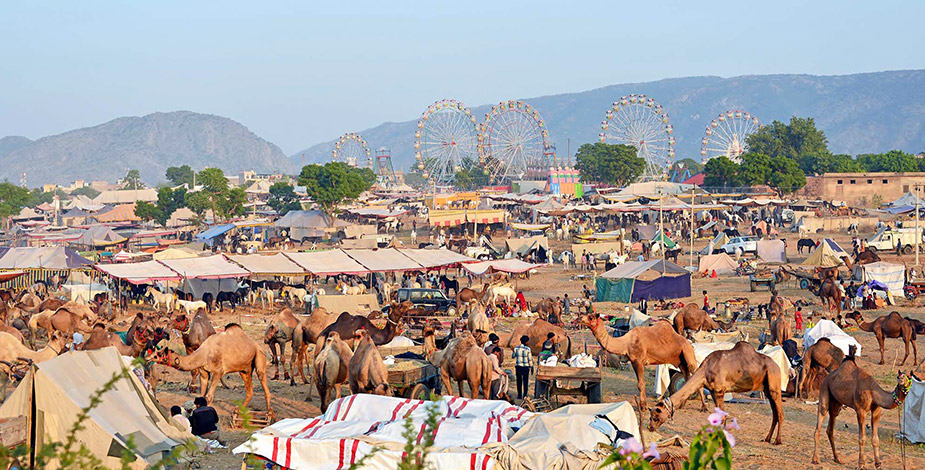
x=754, y=282
x=555, y=381
x=416, y=381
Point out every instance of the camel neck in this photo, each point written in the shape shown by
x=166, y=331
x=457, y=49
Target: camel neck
x=191, y=362
x=884, y=399
x=609, y=343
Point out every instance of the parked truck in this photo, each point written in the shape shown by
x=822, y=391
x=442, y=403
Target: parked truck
x=888, y=239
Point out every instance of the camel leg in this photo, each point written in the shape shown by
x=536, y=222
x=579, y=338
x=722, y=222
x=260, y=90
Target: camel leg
x=213, y=384
x=445, y=380
x=861, y=437
x=834, y=409
x=880, y=341
x=462, y=393
x=274, y=352
x=874, y=435
x=282, y=360
x=248, y=387
x=777, y=410
x=640, y=368
x=820, y=415
x=718, y=398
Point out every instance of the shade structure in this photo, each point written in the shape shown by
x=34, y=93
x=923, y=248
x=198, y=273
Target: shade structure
x=327, y=263
x=823, y=256
x=215, y=231
x=99, y=235
x=433, y=259
x=144, y=272
x=377, y=212
x=119, y=213
x=56, y=257
x=913, y=416
x=209, y=267
x=268, y=265
x=176, y=253
x=889, y=274
x=772, y=251
x=10, y=275
x=650, y=280
x=511, y=266
x=305, y=219
x=384, y=260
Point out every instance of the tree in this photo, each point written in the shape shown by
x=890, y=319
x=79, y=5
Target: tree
x=793, y=140
x=786, y=175
x=85, y=191
x=755, y=169
x=146, y=211
x=471, y=176
x=180, y=175
x=615, y=164
x=813, y=164
x=894, y=161
x=198, y=202
x=334, y=183
x=720, y=172
x=132, y=180
x=212, y=180
x=283, y=198
x=230, y=203
x=688, y=164
x=168, y=201
x=12, y=199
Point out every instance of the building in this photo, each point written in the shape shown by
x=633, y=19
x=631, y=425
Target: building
x=251, y=175
x=861, y=189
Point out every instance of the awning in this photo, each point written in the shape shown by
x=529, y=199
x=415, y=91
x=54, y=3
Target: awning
x=325, y=263
x=513, y=266
x=10, y=275
x=530, y=227
x=376, y=212
x=214, y=231
x=383, y=260
x=43, y=258
x=268, y=265
x=145, y=272
x=632, y=269
x=209, y=267
x=452, y=218
x=431, y=259
x=154, y=233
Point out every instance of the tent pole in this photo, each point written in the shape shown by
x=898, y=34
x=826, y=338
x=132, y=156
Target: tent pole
x=692, y=228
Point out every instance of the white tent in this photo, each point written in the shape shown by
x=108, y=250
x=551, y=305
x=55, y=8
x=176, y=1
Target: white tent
x=828, y=329
x=913, y=425
x=722, y=263
x=891, y=275
x=772, y=251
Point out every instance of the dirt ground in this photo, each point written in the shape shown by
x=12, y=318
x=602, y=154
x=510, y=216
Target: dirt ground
x=755, y=419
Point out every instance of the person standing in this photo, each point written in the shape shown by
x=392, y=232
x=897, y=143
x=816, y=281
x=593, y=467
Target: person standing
x=497, y=374
x=706, y=301
x=566, y=306
x=523, y=364
x=798, y=319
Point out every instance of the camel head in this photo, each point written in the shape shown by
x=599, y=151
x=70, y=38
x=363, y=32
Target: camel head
x=383, y=389
x=856, y=316
x=660, y=414
x=58, y=342
x=903, y=385
x=592, y=321
x=162, y=356
x=270, y=333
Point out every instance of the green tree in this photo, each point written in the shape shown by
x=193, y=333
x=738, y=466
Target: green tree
x=283, y=198
x=755, y=169
x=688, y=164
x=720, y=172
x=180, y=175
x=212, y=180
x=85, y=191
x=231, y=203
x=799, y=137
x=132, y=180
x=147, y=211
x=786, y=175
x=817, y=164
x=894, y=161
x=12, y=199
x=334, y=183
x=198, y=202
x=615, y=164
x=471, y=176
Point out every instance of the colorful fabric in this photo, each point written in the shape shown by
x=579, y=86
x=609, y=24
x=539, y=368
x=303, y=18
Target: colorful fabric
x=523, y=357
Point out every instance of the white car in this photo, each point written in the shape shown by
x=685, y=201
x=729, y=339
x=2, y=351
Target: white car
x=740, y=245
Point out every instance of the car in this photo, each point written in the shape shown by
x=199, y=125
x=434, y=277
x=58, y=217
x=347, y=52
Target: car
x=427, y=299
x=740, y=245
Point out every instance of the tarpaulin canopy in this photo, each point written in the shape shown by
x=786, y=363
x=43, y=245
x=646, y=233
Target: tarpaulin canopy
x=209, y=267
x=913, y=425
x=633, y=269
x=823, y=256
x=329, y=262
x=891, y=275
x=452, y=218
x=439, y=258
x=55, y=257
x=612, y=235
x=119, y=213
x=772, y=251
x=99, y=235
x=660, y=237
x=907, y=199
x=268, y=265
x=214, y=231
x=521, y=246
x=530, y=227
x=176, y=253
x=721, y=263
x=10, y=275
x=828, y=329
x=512, y=266
x=383, y=260
x=145, y=272
x=305, y=219
x=650, y=280
x=835, y=246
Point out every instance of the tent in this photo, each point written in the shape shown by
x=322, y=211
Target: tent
x=719, y=240
x=208, y=267
x=511, y=266
x=637, y=280
x=268, y=265
x=119, y=213
x=828, y=329
x=660, y=237
x=176, y=253
x=53, y=393
x=913, y=425
x=214, y=231
x=891, y=275
x=145, y=272
x=522, y=246
x=433, y=259
x=823, y=256
x=721, y=263
x=772, y=251
x=99, y=235
x=327, y=263
x=835, y=247
x=54, y=257
x=305, y=219
x=908, y=199
x=384, y=260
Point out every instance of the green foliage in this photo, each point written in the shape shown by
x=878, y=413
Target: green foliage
x=231, y=203
x=147, y=211
x=37, y=196
x=786, y=175
x=12, y=199
x=720, y=172
x=85, y=191
x=799, y=137
x=471, y=176
x=283, y=198
x=212, y=180
x=334, y=183
x=615, y=164
x=813, y=164
x=180, y=175
x=132, y=180
x=755, y=169
x=894, y=161
x=198, y=202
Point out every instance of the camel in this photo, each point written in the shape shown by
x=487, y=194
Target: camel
x=13, y=331
x=737, y=370
x=278, y=333
x=830, y=295
x=465, y=297
x=346, y=324
x=781, y=329
x=100, y=338
x=12, y=350
x=193, y=333
x=646, y=345
x=694, y=318
x=549, y=307
x=819, y=360
x=479, y=325
x=159, y=298
x=464, y=360
x=537, y=331
x=304, y=334
x=853, y=387
x=192, y=306
x=332, y=367
x=351, y=290
x=224, y=353
x=866, y=257
x=367, y=372
x=67, y=319
x=889, y=326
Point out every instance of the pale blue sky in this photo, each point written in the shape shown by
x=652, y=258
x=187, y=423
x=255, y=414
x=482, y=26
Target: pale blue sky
x=298, y=73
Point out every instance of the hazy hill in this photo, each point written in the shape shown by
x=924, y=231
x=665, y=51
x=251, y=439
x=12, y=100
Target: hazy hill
x=861, y=113
x=149, y=143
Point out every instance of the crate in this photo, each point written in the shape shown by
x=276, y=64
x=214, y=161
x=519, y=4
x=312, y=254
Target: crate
x=13, y=431
x=258, y=419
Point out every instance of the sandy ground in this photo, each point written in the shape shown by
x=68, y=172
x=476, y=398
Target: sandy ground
x=750, y=453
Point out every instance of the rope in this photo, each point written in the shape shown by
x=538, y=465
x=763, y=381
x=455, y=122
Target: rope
x=902, y=436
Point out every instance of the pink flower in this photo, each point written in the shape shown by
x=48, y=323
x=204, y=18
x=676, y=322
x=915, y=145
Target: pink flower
x=631, y=446
x=716, y=418
x=734, y=424
x=652, y=452
x=730, y=438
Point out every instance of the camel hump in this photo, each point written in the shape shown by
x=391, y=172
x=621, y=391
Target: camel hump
x=232, y=326
x=827, y=340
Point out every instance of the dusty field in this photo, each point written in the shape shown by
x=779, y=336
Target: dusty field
x=750, y=453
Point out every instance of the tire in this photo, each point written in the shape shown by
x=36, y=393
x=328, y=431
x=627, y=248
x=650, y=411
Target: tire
x=451, y=311
x=908, y=250
x=804, y=283
x=418, y=392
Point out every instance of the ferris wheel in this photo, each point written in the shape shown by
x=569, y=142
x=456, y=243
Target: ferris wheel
x=446, y=137
x=352, y=149
x=640, y=121
x=513, y=140
x=727, y=135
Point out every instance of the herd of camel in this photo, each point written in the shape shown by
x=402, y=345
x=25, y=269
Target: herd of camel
x=339, y=349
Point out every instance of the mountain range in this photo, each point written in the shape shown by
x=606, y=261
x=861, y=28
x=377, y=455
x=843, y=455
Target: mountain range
x=860, y=113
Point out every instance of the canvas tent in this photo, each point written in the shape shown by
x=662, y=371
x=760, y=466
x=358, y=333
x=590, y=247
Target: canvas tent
x=268, y=265
x=891, y=275
x=828, y=329
x=772, y=251
x=907, y=199
x=913, y=425
x=146, y=272
x=327, y=263
x=721, y=263
x=434, y=259
x=99, y=235
x=384, y=260
x=208, y=267
x=650, y=280
x=719, y=240
x=823, y=256
x=511, y=266
x=53, y=393
x=176, y=253
x=55, y=257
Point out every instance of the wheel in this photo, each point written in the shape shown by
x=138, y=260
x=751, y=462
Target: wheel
x=451, y=311
x=676, y=382
x=804, y=283
x=418, y=392
x=907, y=250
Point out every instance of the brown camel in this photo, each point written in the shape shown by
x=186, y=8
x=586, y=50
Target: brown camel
x=466, y=297
x=67, y=319
x=853, y=387
x=304, y=334
x=12, y=350
x=830, y=295
x=367, y=372
x=332, y=367
x=737, y=370
x=889, y=326
x=775, y=306
x=694, y=318
x=781, y=329
x=278, y=333
x=479, y=325
x=549, y=307
x=819, y=361
x=866, y=257
x=224, y=353
x=464, y=360
x=658, y=343
x=537, y=331
x=346, y=324
x=100, y=338
x=193, y=333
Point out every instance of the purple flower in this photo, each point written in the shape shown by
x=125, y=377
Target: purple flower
x=717, y=417
x=730, y=438
x=652, y=452
x=734, y=424
x=631, y=446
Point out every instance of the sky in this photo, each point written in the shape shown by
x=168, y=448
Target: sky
x=298, y=73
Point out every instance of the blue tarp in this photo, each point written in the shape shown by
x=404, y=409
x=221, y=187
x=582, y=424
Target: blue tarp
x=213, y=232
